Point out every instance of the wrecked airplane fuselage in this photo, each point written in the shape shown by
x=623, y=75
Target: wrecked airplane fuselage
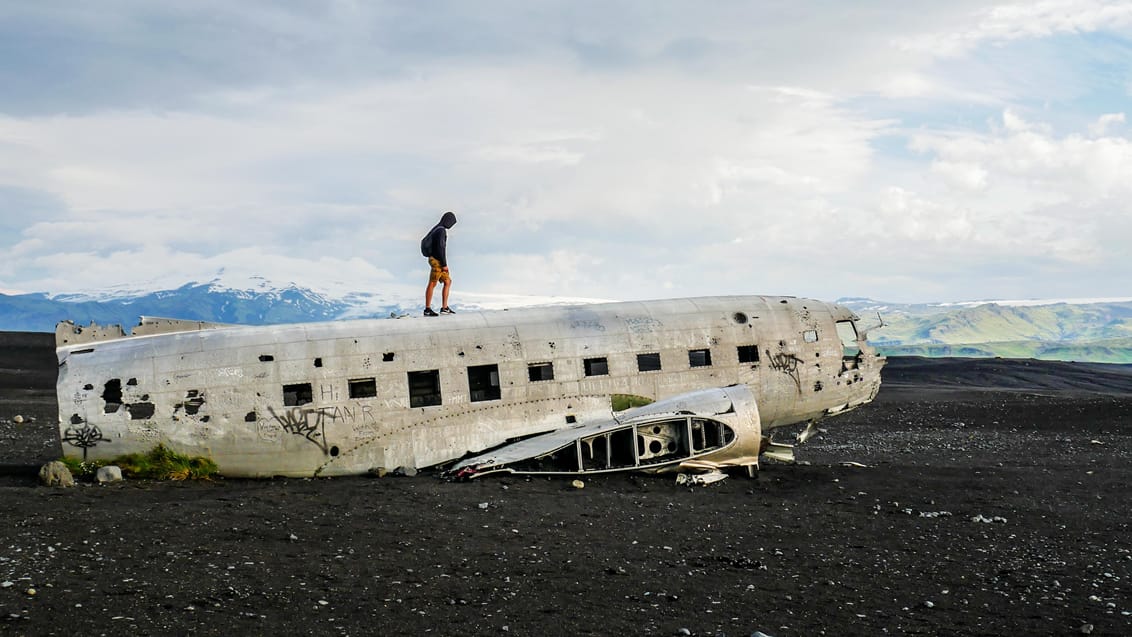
x=350, y=397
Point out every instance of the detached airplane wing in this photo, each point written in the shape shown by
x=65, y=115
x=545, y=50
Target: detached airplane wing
x=705, y=429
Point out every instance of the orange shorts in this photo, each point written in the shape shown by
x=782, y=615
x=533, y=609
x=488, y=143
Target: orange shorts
x=436, y=273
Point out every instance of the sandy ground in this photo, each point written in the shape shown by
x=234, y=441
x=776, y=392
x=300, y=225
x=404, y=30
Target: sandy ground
x=994, y=500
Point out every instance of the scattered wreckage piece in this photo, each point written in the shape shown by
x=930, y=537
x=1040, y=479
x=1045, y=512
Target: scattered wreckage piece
x=700, y=479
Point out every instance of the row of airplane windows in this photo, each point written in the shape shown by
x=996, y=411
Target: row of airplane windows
x=483, y=380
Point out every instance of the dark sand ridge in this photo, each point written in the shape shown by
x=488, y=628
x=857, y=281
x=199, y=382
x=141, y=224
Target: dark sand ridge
x=899, y=546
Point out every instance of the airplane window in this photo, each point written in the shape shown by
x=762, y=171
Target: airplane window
x=648, y=362
x=363, y=388
x=699, y=357
x=424, y=388
x=483, y=382
x=298, y=394
x=847, y=331
x=748, y=353
x=596, y=367
x=540, y=371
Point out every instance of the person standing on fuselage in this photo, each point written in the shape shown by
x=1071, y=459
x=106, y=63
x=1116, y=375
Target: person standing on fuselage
x=434, y=246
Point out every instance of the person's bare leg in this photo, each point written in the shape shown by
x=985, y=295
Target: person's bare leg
x=444, y=293
x=428, y=293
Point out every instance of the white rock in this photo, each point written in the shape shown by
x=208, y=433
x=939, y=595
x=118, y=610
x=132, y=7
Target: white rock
x=18, y=419
x=107, y=474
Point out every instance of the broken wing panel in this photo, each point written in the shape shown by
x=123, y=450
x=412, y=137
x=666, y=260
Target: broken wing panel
x=712, y=427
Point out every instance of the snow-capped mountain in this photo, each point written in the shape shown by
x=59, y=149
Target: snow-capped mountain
x=227, y=299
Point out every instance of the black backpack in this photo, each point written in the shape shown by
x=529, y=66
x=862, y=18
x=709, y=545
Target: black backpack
x=426, y=245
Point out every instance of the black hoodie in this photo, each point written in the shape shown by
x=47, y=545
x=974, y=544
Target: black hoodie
x=435, y=243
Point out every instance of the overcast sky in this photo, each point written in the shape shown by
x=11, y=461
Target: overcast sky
x=901, y=150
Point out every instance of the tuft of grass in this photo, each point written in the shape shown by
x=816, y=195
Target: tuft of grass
x=159, y=463
x=621, y=402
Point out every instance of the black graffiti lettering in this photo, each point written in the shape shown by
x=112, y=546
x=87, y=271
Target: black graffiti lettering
x=298, y=422
x=787, y=364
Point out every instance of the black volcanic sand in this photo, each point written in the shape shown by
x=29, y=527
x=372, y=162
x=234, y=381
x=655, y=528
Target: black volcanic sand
x=994, y=500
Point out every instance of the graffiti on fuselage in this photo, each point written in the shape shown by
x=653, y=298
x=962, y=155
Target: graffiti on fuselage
x=788, y=364
x=310, y=422
x=84, y=437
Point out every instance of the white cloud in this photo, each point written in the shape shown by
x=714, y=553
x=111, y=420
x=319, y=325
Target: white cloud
x=651, y=150
x=1014, y=21
x=1104, y=123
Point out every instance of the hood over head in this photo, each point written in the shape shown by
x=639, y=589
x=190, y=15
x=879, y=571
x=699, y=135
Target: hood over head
x=448, y=220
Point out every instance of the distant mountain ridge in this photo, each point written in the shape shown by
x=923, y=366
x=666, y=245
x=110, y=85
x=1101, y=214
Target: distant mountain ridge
x=1092, y=330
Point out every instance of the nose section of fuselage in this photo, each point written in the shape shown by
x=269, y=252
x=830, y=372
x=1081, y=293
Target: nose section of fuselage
x=867, y=384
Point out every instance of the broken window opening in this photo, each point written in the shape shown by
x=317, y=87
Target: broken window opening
x=387, y=357
x=294, y=395
x=424, y=388
x=699, y=358
x=596, y=366
x=363, y=388
x=537, y=372
x=748, y=353
x=810, y=336
x=250, y=417
x=193, y=400
x=648, y=362
x=483, y=383
x=850, y=348
x=132, y=382
x=266, y=358
x=140, y=411
x=76, y=419
x=318, y=362
x=112, y=394
x=847, y=332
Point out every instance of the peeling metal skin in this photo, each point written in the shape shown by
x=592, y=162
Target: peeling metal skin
x=351, y=397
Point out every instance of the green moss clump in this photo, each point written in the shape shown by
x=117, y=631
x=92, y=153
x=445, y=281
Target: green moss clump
x=159, y=463
x=621, y=402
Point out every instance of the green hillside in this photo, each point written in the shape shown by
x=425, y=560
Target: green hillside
x=1097, y=332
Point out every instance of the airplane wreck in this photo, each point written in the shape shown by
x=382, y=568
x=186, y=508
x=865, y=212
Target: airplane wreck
x=529, y=390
